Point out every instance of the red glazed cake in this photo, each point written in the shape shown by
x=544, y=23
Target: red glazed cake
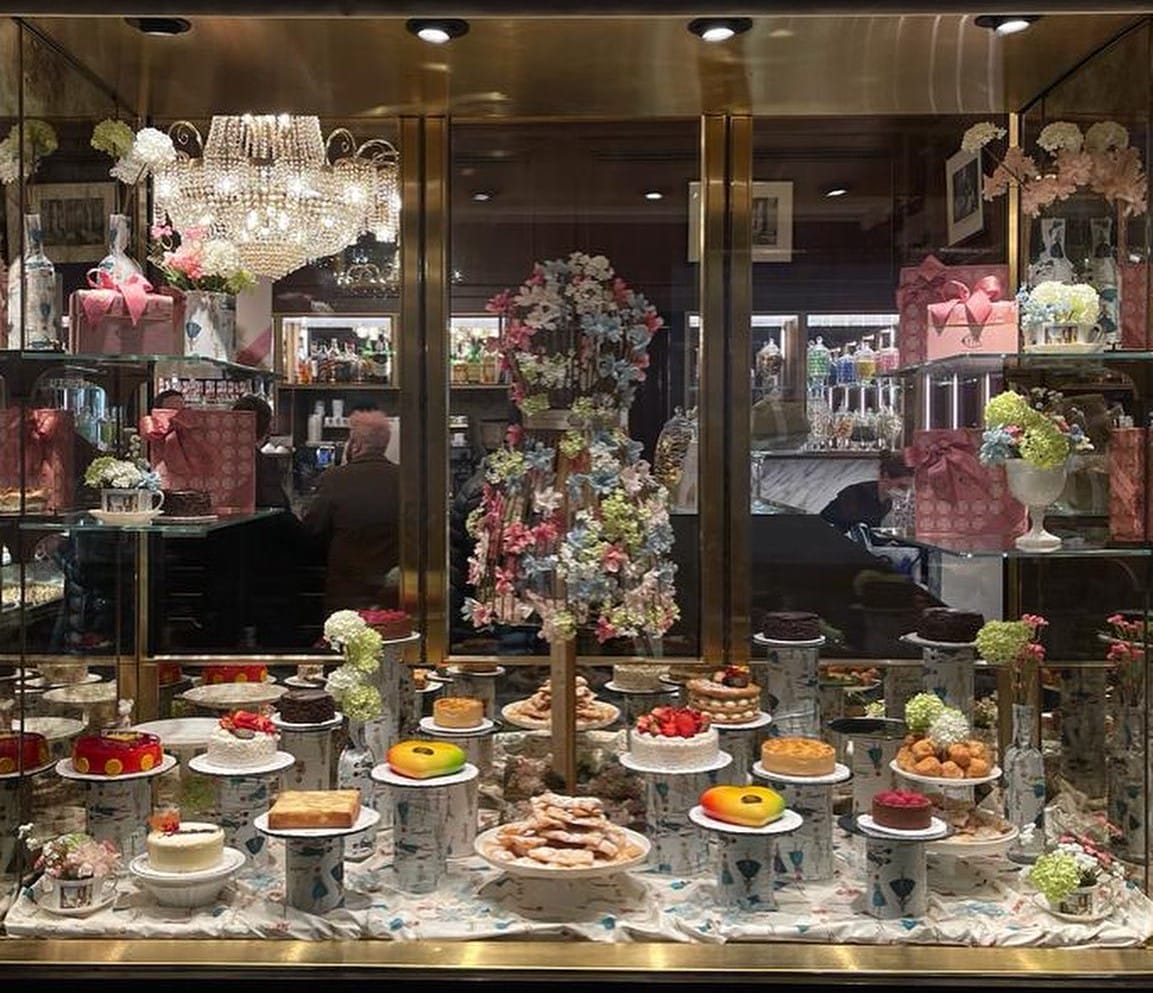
x=168, y=673
x=902, y=810
x=389, y=624
x=254, y=672
x=22, y=752
x=114, y=753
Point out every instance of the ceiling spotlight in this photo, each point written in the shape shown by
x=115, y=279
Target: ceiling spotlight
x=438, y=31
x=482, y=196
x=719, y=28
x=654, y=195
x=160, y=27
x=1004, y=24
x=836, y=191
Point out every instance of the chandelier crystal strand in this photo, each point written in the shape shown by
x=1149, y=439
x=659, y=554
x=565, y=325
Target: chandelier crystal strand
x=269, y=185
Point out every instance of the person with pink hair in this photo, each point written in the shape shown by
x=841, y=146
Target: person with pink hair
x=355, y=513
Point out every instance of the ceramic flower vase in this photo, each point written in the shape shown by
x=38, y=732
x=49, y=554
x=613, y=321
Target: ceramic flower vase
x=1024, y=782
x=118, y=263
x=353, y=771
x=210, y=325
x=33, y=280
x=1036, y=488
x=1082, y=902
x=1066, y=336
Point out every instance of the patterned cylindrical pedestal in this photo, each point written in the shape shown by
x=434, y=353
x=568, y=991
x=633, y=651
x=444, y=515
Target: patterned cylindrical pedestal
x=311, y=746
x=314, y=874
x=478, y=685
x=1083, y=729
x=948, y=672
x=677, y=847
x=747, y=859
x=790, y=686
x=807, y=853
x=463, y=816
x=901, y=682
x=118, y=812
x=422, y=828
x=742, y=742
x=873, y=744
x=897, y=885
x=354, y=772
x=1127, y=804
x=241, y=800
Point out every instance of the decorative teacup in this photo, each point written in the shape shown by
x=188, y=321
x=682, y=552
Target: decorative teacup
x=133, y=501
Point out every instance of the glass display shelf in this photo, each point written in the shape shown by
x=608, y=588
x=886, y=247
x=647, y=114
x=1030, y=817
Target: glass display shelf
x=1072, y=546
x=102, y=360
x=337, y=387
x=83, y=521
x=999, y=361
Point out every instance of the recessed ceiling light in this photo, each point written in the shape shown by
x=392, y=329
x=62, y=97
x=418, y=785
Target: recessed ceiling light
x=836, y=191
x=654, y=195
x=1005, y=24
x=719, y=28
x=437, y=31
x=481, y=196
x=160, y=27
x=781, y=33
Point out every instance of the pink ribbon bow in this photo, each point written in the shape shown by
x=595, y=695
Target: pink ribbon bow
x=106, y=290
x=974, y=304
x=48, y=432
x=950, y=466
x=182, y=449
x=923, y=284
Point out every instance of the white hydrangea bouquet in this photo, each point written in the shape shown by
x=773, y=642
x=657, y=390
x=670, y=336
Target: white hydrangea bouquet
x=1052, y=302
x=352, y=685
x=111, y=472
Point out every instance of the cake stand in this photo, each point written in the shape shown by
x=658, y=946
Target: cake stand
x=746, y=872
x=117, y=807
x=11, y=786
x=478, y=685
x=241, y=795
x=874, y=743
x=477, y=743
x=637, y=702
x=669, y=796
x=740, y=741
x=397, y=694
x=809, y=852
x=311, y=745
x=790, y=687
x=897, y=876
x=423, y=815
x=956, y=789
x=947, y=670
x=314, y=861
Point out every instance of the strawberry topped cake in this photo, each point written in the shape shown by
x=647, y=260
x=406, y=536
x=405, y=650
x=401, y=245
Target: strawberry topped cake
x=242, y=740
x=674, y=738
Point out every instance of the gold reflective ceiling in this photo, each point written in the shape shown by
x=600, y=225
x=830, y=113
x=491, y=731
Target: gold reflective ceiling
x=582, y=67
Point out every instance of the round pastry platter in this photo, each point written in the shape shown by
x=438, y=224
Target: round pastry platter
x=229, y=696
x=408, y=639
x=367, y=818
x=106, y=898
x=125, y=518
x=790, y=820
x=53, y=728
x=487, y=847
x=65, y=770
x=1100, y=915
x=82, y=694
x=722, y=761
x=663, y=689
x=511, y=714
x=232, y=860
x=304, y=684
x=457, y=672
x=39, y=682
x=187, y=519
x=180, y=732
x=282, y=761
x=841, y=773
x=912, y=638
x=937, y=829
x=760, y=639
x=956, y=845
x=848, y=687
x=383, y=774
x=761, y=720
x=941, y=782
x=334, y=722
x=429, y=724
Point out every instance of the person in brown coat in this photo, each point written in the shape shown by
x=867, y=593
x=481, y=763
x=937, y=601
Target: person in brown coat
x=355, y=512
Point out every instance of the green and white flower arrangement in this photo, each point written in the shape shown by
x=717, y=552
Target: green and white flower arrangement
x=132, y=472
x=351, y=685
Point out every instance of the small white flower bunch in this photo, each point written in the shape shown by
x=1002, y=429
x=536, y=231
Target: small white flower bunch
x=151, y=149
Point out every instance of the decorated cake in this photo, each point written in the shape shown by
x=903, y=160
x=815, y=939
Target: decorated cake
x=674, y=738
x=314, y=809
x=187, y=503
x=797, y=756
x=311, y=673
x=750, y=806
x=185, y=847
x=792, y=625
x=458, y=712
x=641, y=677
x=115, y=753
x=947, y=625
x=252, y=672
x=168, y=673
x=21, y=751
x=425, y=759
x=728, y=696
x=306, y=706
x=902, y=810
x=242, y=740
x=391, y=625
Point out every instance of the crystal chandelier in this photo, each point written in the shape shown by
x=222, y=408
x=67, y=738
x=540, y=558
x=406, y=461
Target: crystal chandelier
x=276, y=189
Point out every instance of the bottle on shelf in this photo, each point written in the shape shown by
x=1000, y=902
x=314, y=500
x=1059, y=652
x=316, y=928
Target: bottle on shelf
x=316, y=423
x=819, y=361
x=888, y=358
x=846, y=366
x=40, y=286
x=865, y=362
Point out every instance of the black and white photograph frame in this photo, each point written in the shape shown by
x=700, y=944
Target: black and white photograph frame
x=964, y=205
x=73, y=218
x=772, y=221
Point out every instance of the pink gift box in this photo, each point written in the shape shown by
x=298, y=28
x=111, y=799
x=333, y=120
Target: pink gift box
x=958, y=500
x=48, y=479
x=1133, y=280
x=1128, y=506
x=213, y=450
x=100, y=323
x=929, y=283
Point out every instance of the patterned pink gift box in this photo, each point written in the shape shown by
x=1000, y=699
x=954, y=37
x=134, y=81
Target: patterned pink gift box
x=1134, y=291
x=49, y=481
x=1128, y=506
x=958, y=500
x=213, y=450
x=928, y=283
x=123, y=319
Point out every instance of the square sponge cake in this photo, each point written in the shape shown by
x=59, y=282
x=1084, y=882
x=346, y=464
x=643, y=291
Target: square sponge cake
x=315, y=809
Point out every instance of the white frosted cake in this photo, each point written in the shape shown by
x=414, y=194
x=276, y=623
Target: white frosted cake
x=639, y=676
x=674, y=738
x=242, y=740
x=190, y=847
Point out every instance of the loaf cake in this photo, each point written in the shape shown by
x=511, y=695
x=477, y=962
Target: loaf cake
x=792, y=625
x=315, y=809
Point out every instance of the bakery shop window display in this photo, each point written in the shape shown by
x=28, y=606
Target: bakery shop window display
x=748, y=806
x=939, y=744
x=674, y=738
x=116, y=753
x=728, y=696
x=797, y=756
x=421, y=759
x=902, y=810
x=242, y=740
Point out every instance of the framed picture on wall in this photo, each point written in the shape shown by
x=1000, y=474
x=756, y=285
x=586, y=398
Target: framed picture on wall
x=963, y=202
x=772, y=221
x=74, y=218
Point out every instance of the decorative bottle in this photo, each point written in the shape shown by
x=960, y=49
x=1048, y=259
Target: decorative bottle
x=354, y=771
x=1024, y=781
x=118, y=263
x=41, y=307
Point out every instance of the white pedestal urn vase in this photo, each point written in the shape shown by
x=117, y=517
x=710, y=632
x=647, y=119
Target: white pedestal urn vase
x=1036, y=488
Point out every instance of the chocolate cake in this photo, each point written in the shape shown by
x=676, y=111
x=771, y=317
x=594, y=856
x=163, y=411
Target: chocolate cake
x=306, y=707
x=948, y=625
x=187, y=503
x=792, y=625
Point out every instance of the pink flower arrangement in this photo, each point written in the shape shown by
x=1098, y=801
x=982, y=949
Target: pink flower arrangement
x=190, y=260
x=1127, y=652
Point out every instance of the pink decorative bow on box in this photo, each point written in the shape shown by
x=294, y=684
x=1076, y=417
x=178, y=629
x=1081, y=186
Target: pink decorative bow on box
x=106, y=290
x=923, y=284
x=950, y=466
x=47, y=432
x=962, y=304
x=178, y=435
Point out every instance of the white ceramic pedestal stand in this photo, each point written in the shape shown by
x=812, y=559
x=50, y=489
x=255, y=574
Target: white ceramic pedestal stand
x=314, y=861
x=746, y=873
x=477, y=744
x=311, y=745
x=740, y=741
x=422, y=812
x=398, y=697
x=118, y=807
x=895, y=860
x=241, y=795
x=11, y=785
x=789, y=685
x=478, y=685
x=637, y=702
x=669, y=796
x=903, y=679
x=947, y=670
x=808, y=853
